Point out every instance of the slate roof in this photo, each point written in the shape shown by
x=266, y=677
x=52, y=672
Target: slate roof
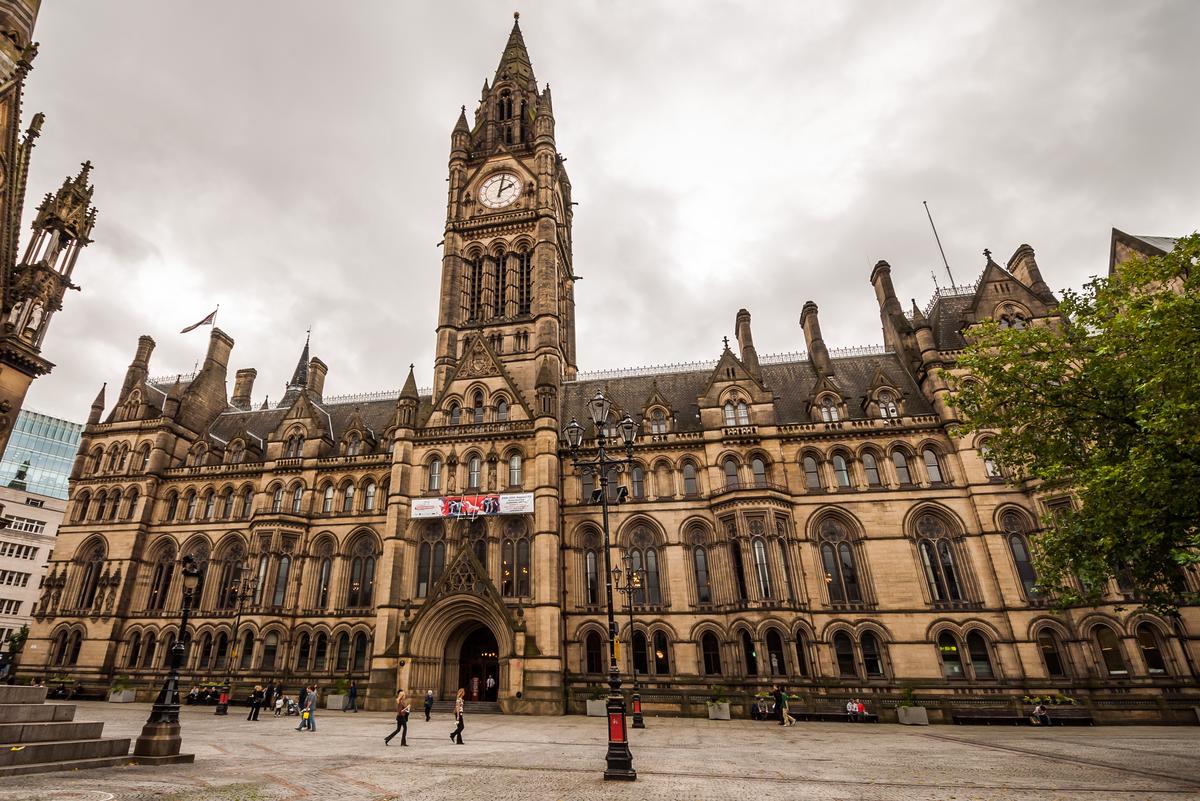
x=946, y=317
x=790, y=382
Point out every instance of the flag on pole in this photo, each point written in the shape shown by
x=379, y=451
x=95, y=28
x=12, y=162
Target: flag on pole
x=209, y=319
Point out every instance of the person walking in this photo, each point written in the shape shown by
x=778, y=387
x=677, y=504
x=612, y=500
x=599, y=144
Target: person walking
x=279, y=705
x=308, y=713
x=403, y=707
x=302, y=697
x=491, y=688
x=777, y=697
x=256, y=699
x=352, y=700
x=269, y=694
x=456, y=735
x=788, y=720
x=428, y=704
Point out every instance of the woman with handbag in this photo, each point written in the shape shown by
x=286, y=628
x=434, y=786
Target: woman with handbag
x=402, y=710
x=456, y=735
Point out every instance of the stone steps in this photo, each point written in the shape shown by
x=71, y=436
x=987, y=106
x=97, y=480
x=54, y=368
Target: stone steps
x=36, y=737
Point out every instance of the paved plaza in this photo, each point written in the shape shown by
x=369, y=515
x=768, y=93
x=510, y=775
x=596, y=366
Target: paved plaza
x=561, y=758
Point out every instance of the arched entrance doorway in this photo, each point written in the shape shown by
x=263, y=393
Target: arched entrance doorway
x=472, y=657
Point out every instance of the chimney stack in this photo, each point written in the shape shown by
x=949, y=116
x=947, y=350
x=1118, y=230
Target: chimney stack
x=1024, y=266
x=317, y=370
x=745, y=342
x=243, y=387
x=818, y=354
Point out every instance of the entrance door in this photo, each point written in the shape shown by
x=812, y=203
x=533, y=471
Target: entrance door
x=478, y=662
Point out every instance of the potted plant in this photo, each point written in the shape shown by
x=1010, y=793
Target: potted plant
x=336, y=699
x=597, y=703
x=718, y=705
x=909, y=713
x=120, y=692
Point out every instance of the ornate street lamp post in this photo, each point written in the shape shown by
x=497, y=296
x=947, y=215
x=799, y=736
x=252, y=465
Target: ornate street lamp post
x=619, y=758
x=243, y=590
x=633, y=583
x=159, y=741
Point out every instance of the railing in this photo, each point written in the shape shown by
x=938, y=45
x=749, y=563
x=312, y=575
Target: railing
x=475, y=429
x=743, y=486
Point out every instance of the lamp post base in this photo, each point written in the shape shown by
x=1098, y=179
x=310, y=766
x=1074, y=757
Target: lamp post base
x=158, y=744
x=636, y=703
x=619, y=758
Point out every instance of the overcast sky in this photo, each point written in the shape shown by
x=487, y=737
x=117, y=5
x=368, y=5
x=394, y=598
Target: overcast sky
x=287, y=160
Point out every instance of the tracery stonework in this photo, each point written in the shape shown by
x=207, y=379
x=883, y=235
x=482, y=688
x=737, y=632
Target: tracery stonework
x=810, y=520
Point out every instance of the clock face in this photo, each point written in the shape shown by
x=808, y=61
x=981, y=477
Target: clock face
x=500, y=190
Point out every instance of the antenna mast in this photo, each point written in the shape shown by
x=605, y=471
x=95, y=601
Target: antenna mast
x=939, y=242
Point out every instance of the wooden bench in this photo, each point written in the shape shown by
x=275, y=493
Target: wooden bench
x=835, y=717
x=979, y=717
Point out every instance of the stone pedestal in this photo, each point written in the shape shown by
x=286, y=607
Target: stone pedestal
x=159, y=744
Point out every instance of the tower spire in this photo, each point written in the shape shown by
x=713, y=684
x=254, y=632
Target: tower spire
x=299, y=376
x=514, y=63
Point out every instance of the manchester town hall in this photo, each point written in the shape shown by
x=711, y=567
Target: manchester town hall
x=805, y=518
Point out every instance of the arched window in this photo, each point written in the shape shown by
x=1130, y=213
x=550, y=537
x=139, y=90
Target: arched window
x=206, y=645
x=90, y=566
x=327, y=499
x=933, y=468
x=759, y=468
x=812, y=477
x=502, y=410
x=900, y=460
x=731, y=473
x=433, y=474
x=1110, y=651
x=474, y=468
x=639, y=653
x=144, y=458
x=638, y=482
x=887, y=405
x=172, y=507
x=937, y=559
x=739, y=570
x=841, y=569
x=843, y=651
x=801, y=654
x=761, y=569
x=1150, y=643
x=320, y=652
x=303, y=652
x=730, y=415
x=703, y=587
x=750, y=654
x=872, y=655
x=131, y=657
x=362, y=579
x=587, y=486
x=871, y=469
x=160, y=583
x=227, y=504
x=277, y=500
x=236, y=453
x=369, y=490
x=991, y=468
x=645, y=560
x=1051, y=649
x=148, y=649
x=191, y=506
x=775, y=653
x=662, y=654
x=743, y=414
x=260, y=586
x=690, y=486
x=343, y=653
x=514, y=561
x=297, y=499
x=423, y=565
x=270, y=651
x=455, y=414
x=1014, y=526
x=281, y=577
x=711, y=651
x=323, y=576
x=981, y=660
x=348, y=498
x=841, y=471
x=359, y=662
x=594, y=654
x=658, y=422
x=353, y=445
x=222, y=655
x=295, y=446
x=516, y=470
x=247, y=501
x=829, y=410
x=477, y=408
x=948, y=648
x=591, y=577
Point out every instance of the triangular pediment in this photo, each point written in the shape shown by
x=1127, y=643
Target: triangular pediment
x=303, y=409
x=730, y=369
x=465, y=576
x=826, y=383
x=656, y=399
x=881, y=381
x=480, y=363
x=997, y=285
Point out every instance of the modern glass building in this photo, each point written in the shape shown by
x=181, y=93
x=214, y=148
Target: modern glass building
x=39, y=455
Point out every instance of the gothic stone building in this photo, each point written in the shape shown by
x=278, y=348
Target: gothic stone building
x=805, y=518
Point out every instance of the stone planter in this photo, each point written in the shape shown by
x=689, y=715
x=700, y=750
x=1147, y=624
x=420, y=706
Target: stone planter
x=335, y=702
x=597, y=708
x=718, y=711
x=121, y=696
x=912, y=715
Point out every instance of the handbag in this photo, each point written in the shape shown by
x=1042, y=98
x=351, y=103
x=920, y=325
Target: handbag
x=305, y=715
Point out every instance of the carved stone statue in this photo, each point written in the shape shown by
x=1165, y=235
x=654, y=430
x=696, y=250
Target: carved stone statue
x=35, y=317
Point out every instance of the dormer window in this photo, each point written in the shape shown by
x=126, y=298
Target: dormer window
x=658, y=422
x=829, y=410
x=887, y=405
x=1011, y=317
x=354, y=445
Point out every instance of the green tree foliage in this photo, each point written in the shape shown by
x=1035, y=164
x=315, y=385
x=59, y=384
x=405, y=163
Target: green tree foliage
x=1104, y=404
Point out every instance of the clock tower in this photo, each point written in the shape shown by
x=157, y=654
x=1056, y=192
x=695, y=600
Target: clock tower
x=507, y=273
